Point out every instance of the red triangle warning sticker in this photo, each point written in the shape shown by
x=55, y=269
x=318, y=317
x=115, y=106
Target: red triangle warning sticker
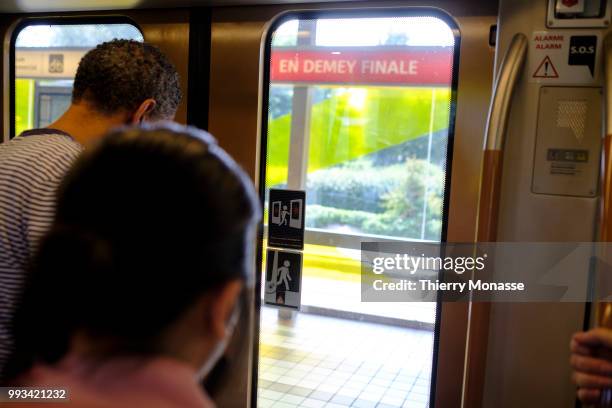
x=546, y=69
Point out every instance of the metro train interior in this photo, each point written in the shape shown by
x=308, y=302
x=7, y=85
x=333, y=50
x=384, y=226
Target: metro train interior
x=403, y=123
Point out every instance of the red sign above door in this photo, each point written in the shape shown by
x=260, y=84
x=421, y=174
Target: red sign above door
x=408, y=66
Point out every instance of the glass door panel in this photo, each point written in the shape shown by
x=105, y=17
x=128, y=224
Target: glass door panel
x=359, y=115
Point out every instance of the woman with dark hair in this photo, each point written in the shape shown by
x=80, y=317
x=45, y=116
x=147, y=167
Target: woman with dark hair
x=135, y=289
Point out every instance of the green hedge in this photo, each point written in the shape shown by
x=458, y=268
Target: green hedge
x=356, y=185
x=398, y=210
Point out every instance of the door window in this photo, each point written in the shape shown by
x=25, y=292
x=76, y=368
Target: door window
x=359, y=114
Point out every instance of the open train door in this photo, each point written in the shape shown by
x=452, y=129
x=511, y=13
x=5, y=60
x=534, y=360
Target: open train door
x=365, y=120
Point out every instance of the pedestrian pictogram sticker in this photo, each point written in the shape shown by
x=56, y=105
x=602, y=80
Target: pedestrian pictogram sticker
x=546, y=69
x=283, y=278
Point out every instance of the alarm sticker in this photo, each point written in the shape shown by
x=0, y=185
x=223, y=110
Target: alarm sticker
x=562, y=57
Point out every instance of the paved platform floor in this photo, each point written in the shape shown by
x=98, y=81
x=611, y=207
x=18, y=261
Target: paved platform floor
x=314, y=361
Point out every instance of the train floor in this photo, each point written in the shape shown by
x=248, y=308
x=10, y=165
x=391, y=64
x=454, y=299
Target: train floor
x=315, y=361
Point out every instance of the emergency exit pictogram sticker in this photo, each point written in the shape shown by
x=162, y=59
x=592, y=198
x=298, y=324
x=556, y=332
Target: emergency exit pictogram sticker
x=546, y=69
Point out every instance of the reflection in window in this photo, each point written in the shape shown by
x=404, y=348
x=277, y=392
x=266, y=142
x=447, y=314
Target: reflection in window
x=46, y=59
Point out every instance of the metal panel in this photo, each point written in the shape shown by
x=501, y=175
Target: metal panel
x=568, y=141
x=527, y=360
x=553, y=21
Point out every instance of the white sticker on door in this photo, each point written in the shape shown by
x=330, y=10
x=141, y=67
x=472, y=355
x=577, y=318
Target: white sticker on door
x=564, y=57
x=283, y=279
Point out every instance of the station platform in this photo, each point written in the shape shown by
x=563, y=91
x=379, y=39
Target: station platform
x=316, y=361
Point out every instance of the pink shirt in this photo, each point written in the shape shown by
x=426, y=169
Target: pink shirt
x=155, y=383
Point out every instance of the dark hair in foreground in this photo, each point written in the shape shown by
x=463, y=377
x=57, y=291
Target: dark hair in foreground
x=121, y=74
x=146, y=223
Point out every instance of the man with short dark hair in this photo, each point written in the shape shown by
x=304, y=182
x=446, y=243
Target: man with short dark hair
x=121, y=82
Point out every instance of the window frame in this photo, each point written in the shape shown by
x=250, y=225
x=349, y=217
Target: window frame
x=266, y=54
x=50, y=20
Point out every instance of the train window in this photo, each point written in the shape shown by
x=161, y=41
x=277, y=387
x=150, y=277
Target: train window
x=46, y=56
x=358, y=113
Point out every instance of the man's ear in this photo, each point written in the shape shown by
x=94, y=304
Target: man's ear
x=222, y=306
x=143, y=111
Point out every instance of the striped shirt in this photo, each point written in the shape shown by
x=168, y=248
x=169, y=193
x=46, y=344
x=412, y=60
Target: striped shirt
x=31, y=168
